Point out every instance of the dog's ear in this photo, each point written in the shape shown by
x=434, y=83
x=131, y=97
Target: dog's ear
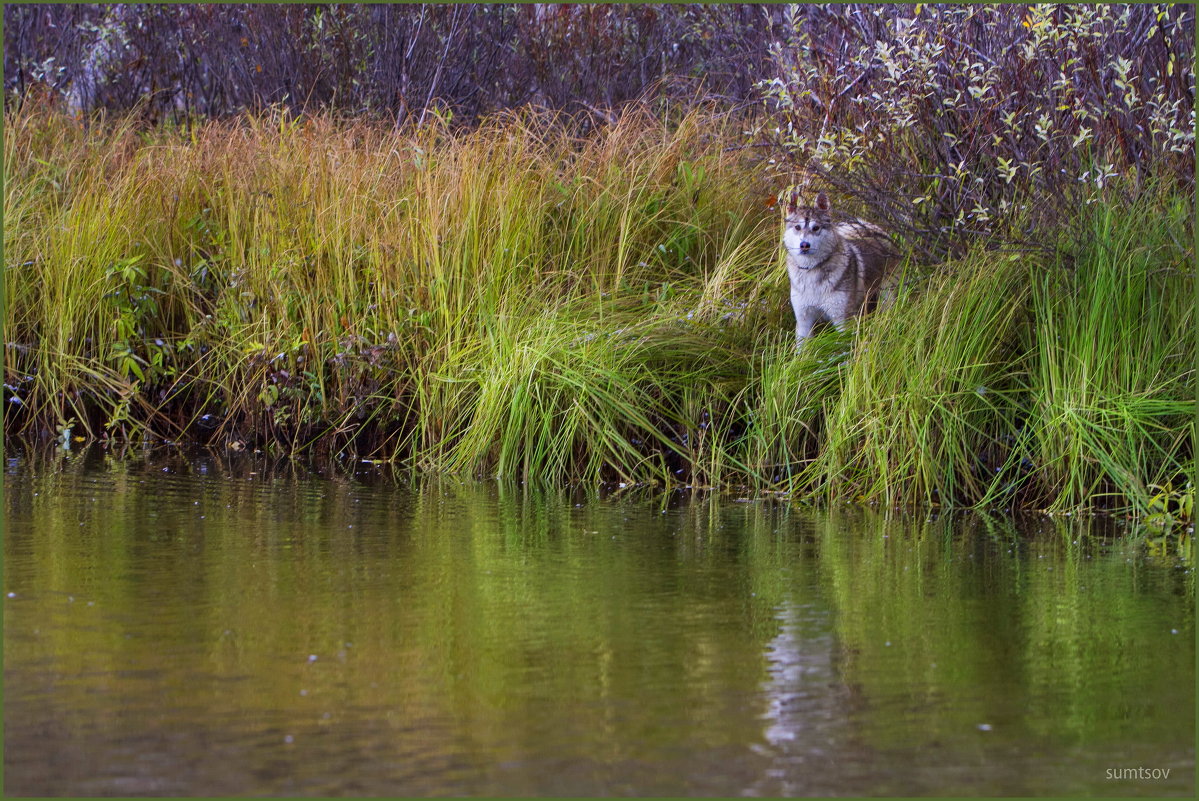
x=822, y=201
x=793, y=201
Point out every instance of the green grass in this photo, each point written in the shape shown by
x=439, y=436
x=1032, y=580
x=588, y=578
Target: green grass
x=1112, y=381
x=540, y=300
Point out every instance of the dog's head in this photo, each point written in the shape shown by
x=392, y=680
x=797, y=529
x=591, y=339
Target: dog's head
x=808, y=230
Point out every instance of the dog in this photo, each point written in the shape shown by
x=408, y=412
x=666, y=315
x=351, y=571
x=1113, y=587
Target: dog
x=837, y=269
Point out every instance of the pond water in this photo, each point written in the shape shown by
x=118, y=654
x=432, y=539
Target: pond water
x=211, y=624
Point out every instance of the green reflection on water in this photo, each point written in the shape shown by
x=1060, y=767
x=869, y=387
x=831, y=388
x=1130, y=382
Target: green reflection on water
x=184, y=625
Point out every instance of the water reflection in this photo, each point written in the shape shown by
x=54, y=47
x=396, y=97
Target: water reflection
x=218, y=624
x=805, y=699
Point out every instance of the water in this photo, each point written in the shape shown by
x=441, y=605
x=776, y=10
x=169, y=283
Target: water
x=213, y=625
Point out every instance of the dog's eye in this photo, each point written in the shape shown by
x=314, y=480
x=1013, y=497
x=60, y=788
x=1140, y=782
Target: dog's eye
x=815, y=229
x=799, y=228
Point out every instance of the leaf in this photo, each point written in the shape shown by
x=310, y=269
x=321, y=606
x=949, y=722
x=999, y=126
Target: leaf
x=130, y=365
x=269, y=395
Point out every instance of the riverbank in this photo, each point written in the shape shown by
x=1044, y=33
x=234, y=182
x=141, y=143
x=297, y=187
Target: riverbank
x=539, y=299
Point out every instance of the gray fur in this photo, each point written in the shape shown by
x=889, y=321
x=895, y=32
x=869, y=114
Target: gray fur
x=837, y=269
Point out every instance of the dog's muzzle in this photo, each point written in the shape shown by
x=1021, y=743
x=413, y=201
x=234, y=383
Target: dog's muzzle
x=803, y=250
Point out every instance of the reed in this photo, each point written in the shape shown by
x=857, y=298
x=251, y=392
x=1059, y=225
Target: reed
x=1112, y=367
x=542, y=298
x=931, y=392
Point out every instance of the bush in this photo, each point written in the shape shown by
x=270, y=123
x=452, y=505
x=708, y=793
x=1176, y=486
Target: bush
x=989, y=123
x=399, y=62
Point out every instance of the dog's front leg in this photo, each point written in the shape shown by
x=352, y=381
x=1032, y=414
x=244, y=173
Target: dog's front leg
x=806, y=318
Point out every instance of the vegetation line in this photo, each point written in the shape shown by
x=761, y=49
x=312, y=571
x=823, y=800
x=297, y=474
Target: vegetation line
x=541, y=299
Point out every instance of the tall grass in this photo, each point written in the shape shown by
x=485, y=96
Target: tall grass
x=1112, y=381
x=539, y=299
x=1030, y=382
x=273, y=280
x=932, y=391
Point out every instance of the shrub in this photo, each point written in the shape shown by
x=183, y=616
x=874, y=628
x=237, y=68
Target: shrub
x=991, y=122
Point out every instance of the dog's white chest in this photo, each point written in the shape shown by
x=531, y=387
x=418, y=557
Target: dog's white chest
x=808, y=283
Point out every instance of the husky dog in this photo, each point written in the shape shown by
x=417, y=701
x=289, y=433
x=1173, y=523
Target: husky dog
x=836, y=269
